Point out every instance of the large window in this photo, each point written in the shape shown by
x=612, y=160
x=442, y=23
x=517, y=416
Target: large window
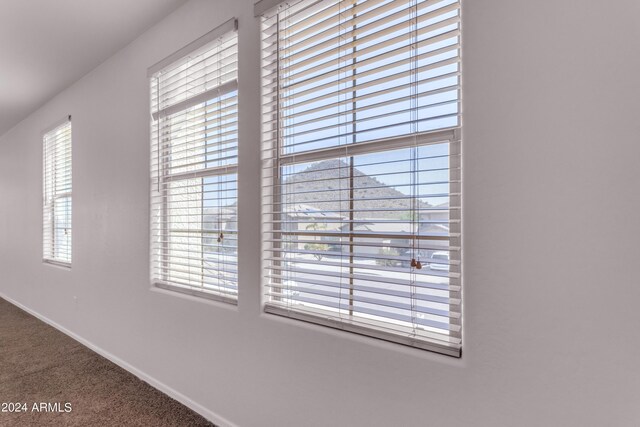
x=361, y=130
x=56, y=230
x=194, y=140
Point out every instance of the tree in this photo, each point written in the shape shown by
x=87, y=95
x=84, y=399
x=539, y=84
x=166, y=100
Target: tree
x=316, y=247
x=388, y=252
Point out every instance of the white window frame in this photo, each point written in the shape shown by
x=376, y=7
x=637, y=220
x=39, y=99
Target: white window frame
x=274, y=158
x=161, y=177
x=53, y=165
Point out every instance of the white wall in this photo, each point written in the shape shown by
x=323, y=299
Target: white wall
x=551, y=318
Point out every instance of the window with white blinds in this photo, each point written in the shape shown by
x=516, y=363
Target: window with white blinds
x=194, y=158
x=56, y=221
x=361, y=140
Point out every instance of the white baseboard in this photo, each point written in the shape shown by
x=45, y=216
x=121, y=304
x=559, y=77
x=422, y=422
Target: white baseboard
x=206, y=413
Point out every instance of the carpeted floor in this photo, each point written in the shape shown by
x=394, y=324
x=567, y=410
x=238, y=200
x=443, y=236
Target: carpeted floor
x=39, y=364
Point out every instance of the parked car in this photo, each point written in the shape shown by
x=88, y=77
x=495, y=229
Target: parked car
x=439, y=256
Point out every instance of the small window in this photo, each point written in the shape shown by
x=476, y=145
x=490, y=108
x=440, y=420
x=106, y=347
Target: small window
x=194, y=160
x=57, y=195
x=361, y=142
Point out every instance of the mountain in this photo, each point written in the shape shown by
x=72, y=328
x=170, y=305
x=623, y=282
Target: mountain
x=325, y=183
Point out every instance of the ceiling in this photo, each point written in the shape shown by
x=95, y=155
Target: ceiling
x=47, y=45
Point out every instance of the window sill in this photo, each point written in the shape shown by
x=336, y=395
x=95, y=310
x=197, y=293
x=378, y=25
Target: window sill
x=372, y=332
x=59, y=264
x=210, y=295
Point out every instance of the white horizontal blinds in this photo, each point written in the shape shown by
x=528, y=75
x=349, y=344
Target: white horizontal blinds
x=194, y=233
x=361, y=123
x=57, y=193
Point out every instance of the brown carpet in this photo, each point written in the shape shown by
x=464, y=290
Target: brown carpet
x=39, y=364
